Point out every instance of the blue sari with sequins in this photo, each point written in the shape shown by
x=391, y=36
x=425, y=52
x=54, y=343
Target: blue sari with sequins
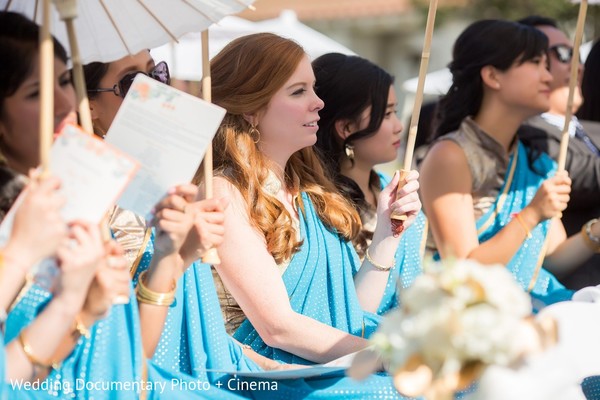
x=194, y=341
x=520, y=186
x=320, y=285
x=109, y=364
x=591, y=388
x=408, y=261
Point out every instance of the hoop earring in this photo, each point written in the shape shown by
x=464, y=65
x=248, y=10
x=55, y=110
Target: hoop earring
x=254, y=134
x=349, y=150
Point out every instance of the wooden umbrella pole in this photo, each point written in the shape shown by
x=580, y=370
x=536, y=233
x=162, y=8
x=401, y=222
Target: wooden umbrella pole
x=564, y=143
x=67, y=9
x=211, y=256
x=414, y=120
x=85, y=116
x=46, y=88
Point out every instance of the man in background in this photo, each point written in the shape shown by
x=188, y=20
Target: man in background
x=583, y=157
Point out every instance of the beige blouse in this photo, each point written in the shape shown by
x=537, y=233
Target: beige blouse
x=232, y=312
x=129, y=230
x=488, y=163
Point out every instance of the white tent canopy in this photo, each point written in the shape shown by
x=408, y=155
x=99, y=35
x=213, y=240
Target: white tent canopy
x=314, y=42
x=184, y=58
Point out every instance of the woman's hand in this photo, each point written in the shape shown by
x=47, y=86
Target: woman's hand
x=173, y=219
x=38, y=227
x=552, y=197
x=78, y=258
x=398, y=202
x=208, y=229
x=110, y=284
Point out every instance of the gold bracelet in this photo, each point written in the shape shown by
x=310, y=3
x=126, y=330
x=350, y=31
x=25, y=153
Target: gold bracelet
x=80, y=328
x=523, y=225
x=147, y=296
x=376, y=265
x=35, y=362
x=591, y=241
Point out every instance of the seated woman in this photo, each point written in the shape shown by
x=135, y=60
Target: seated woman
x=38, y=232
x=288, y=231
x=103, y=351
x=487, y=196
x=359, y=129
x=194, y=340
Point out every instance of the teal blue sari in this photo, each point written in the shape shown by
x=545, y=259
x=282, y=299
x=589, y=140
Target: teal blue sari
x=520, y=185
x=110, y=364
x=591, y=388
x=408, y=261
x=320, y=285
x=194, y=342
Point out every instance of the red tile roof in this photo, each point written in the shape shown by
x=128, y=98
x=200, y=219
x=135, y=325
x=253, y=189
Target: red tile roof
x=333, y=9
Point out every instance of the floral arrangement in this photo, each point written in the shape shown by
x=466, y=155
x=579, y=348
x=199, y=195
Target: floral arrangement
x=457, y=318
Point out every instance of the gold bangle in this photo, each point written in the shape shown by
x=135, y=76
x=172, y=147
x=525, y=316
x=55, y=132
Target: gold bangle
x=35, y=362
x=591, y=241
x=147, y=296
x=523, y=225
x=80, y=328
x=376, y=265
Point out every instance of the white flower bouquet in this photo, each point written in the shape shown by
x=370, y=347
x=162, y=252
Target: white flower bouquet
x=457, y=318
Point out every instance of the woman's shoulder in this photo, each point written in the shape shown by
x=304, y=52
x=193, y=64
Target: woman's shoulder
x=446, y=166
x=445, y=154
x=223, y=187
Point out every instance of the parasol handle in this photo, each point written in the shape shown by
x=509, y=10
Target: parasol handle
x=564, y=142
x=67, y=9
x=401, y=183
x=46, y=128
x=414, y=120
x=85, y=115
x=210, y=256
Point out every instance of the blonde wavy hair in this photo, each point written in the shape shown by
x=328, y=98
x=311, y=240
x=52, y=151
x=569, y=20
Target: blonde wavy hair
x=245, y=76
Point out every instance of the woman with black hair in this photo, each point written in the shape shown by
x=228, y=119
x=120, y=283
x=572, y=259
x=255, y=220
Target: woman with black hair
x=486, y=196
x=359, y=129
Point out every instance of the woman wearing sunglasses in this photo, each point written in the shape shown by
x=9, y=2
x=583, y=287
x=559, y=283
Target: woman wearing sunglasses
x=108, y=83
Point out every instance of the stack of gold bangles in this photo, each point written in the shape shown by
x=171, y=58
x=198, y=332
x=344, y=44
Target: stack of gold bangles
x=147, y=296
x=591, y=241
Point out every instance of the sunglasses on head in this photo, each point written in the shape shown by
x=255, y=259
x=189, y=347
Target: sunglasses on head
x=563, y=53
x=160, y=73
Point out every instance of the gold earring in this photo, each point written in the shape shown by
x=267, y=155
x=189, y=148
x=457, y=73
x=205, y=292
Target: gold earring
x=349, y=150
x=254, y=133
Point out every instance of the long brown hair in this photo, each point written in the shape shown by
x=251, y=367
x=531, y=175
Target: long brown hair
x=245, y=76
